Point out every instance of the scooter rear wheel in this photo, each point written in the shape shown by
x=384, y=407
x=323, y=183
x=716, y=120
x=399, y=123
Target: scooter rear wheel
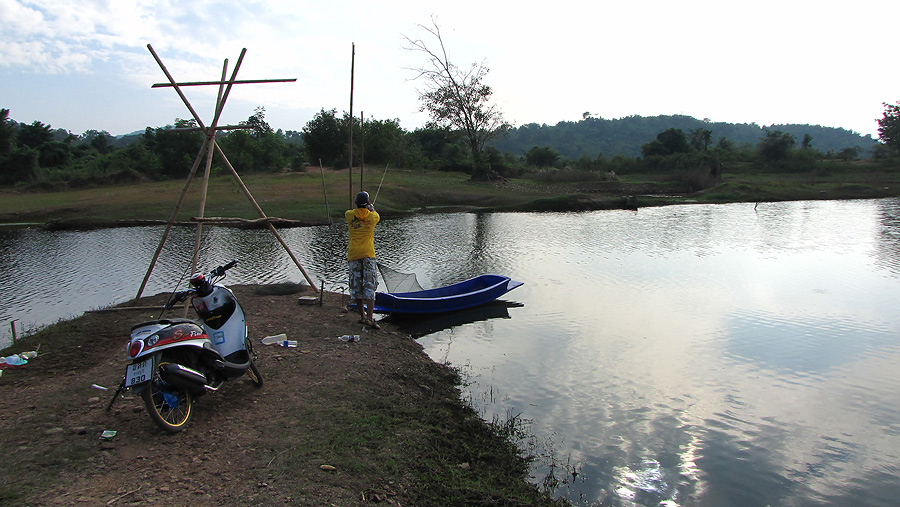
x=169, y=406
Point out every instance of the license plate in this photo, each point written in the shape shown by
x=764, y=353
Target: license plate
x=138, y=373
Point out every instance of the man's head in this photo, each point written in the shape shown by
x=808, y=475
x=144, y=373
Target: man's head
x=362, y=199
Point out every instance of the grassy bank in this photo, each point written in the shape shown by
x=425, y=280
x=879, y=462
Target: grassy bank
x=310, y=197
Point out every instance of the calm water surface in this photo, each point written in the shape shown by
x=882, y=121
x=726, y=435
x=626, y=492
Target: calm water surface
x=685, y=355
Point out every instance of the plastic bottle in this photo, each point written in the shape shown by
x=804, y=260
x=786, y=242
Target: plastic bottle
x=268, y=340
x=30, y=354
x=288, y=343
x=349, y=338
x=15, y=360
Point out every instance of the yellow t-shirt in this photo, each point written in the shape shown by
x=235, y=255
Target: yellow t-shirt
x=361, y=227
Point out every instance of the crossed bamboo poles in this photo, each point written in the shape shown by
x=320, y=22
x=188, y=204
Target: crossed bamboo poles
x=207, y=148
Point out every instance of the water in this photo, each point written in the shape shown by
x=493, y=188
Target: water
x=686, y=355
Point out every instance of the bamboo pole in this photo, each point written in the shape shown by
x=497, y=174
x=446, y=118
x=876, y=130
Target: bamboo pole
x=263, y=215
x=209, y=144
x=221, y=105
x=175, y=85
x=362, y=148
x=242, y=81
x=204, y=184
x=352, y=65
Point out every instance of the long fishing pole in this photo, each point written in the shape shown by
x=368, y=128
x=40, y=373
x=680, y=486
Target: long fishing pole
x=382, y=181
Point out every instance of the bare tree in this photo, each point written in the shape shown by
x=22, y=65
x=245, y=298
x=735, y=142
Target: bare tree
x=458, y=99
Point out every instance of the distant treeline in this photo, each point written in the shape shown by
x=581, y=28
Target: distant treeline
x=37, y=156
x=594, y=136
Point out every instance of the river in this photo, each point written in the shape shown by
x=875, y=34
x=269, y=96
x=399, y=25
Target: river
x=698, y=355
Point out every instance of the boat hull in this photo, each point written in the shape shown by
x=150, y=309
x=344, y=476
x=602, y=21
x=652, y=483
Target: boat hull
x=466, y=294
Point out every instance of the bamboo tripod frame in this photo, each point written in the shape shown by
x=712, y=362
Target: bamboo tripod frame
x=207, y=149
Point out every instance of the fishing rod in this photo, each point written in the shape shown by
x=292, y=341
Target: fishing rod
x=382, y=181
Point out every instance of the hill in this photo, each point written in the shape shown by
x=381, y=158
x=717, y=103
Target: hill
x=624, y=136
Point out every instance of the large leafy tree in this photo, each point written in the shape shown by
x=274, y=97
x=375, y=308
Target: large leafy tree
x=387, y=143
x=776, y=145
x=541, y=156
x=667, y=142
x=259, y=127
x=889, y=126
x=324, y=137
x=458, y=99
x=34, y=135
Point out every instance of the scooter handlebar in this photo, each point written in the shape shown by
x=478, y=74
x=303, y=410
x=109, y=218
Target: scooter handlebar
x=179, y=297
x=219, y=271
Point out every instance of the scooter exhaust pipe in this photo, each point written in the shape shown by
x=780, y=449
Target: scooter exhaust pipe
x=182, y=376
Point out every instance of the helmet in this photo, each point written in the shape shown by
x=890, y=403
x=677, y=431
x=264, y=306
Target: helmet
x=362, y=199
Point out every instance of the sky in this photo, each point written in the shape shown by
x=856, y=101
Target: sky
x=86, y=65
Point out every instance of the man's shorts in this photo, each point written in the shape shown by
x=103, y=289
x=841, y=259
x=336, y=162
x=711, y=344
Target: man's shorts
x=363, y=278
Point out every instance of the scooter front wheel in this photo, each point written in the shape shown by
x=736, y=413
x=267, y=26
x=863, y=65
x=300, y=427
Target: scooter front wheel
x=254, y=374
x=169, y=406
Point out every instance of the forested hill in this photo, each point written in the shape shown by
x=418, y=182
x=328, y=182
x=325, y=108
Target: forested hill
x=624, y=136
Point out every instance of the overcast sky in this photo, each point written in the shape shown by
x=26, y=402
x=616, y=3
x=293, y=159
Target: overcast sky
x=84, y=64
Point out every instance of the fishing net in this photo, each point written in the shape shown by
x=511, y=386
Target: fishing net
x=397, y=281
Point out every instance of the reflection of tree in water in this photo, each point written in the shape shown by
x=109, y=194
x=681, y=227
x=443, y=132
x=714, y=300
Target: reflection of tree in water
x=887, y=254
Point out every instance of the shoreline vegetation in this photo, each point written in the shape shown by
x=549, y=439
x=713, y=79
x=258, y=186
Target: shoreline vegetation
x=314, y=197
x=336, y=423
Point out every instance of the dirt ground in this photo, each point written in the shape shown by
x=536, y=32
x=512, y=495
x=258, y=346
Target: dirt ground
x=274, y=445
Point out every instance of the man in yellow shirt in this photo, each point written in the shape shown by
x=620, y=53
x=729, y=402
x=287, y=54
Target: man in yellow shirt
x=361, y=257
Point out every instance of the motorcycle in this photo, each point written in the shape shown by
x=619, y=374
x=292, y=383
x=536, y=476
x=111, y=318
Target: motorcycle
x=174, y=361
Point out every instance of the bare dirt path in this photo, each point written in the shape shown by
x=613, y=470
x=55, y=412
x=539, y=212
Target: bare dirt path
x=233, y=450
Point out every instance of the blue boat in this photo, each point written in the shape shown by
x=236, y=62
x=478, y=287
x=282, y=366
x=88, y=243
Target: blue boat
x=466, y=294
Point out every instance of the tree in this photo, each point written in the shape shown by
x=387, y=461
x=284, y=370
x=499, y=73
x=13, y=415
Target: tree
x=387, y=143
x=259, y=128
x=889, y=126
x=674, y=141
x=848, y=154
x=806, y=143
x=700, y=138
x=459, y=99
x=324, y=137
x=34, y=135
x=542, y=156
x=776, y=145
x=54, y=154
x=20, y=165
x=668, y=142
x=442, y=148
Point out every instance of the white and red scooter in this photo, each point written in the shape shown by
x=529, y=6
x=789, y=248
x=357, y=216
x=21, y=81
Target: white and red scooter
x=173, y=361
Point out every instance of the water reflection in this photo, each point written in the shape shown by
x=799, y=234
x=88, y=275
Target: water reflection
x=687, y=355
x=418, y=326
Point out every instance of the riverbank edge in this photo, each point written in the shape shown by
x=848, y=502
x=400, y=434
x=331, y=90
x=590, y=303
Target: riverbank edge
x=443, y=449
x=559, y=204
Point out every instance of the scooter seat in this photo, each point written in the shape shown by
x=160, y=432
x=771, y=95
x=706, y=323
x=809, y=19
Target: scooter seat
x=164, y=322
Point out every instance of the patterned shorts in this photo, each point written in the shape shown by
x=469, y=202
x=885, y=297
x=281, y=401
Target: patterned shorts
x=363, y=278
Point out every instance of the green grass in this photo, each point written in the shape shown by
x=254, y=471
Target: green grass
x=303, y=197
